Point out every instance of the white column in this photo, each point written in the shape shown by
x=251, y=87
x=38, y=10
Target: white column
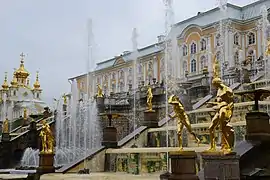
x=155, y=67
x=243, y=44
x=231, y=51
x=259, y=42
x=209, y=51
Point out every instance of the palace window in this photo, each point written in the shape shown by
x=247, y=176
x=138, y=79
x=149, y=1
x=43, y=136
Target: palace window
x=193, y=48
x=130, y=71
x=218, y=56
x=37, y=95
x=14, y=93
x=218, y=40
x=203, y=62
x=121, y=74
x=251, y=38
x=236, y=58
x=121, y=87
x=113, y=88
x=193, y=65
x=236, y=39
x=251, y=56
x=81, y=85
x=185, y=50
x=185, y=66
x=203, y=45
x=139, y=68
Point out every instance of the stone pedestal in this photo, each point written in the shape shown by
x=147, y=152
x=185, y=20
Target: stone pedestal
x=64, y=109
x=100, y=104
x=183, y=166
x=46, y=163
x=220, y=166
x=258, y=127
x=5, y=137
x=150, y=119
x=109, y=137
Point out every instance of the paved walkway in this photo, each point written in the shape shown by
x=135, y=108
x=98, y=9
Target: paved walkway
x=99, y=176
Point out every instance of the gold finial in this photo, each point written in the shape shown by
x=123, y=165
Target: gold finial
x=22, y=57
x=21, y=73
x=5, y=84
x=36, y=84
x=14, y=82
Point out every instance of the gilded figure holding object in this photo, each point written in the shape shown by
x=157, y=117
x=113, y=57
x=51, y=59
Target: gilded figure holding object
x=99, y=91
x=47, y=138
x=182, y=119
x=149, y=99
x=224, y=110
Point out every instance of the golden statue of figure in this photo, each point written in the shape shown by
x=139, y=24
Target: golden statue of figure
x=182, y=119
x=5, y=126
x=99, y=91
x=24, y=113
x=224, y=109
x=65, y=98
x=149, y=99
x=267, y=52
x=47, y=138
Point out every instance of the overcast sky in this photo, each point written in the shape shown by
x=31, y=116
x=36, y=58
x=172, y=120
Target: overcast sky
x=53, y=33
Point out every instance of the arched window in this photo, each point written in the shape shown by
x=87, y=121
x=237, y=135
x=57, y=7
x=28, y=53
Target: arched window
x=122, y=85
x=121, y=74
x=218, y=56
x=218, y=40
x=139, y=68
x=185, y=50
x=236, y=58
x=236, y=39
x=203, y=45
x=251, y=57
x=251, y=38
x=202, y=62
x=193, y=48
x=185, y=66
x=130, y=71
x=193, y=65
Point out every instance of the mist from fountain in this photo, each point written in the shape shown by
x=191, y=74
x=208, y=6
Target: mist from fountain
x=135, y=80
x=76, y=135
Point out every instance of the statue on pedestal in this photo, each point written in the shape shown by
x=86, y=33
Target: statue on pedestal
x=65, y=99
x=47, y=139
x=149, y=99
x=99, y=91
x=224, y=110
x=182, y=119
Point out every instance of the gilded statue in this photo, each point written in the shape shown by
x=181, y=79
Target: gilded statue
x=5, y=126
x=267, y=52
x=149, y=99
x=24, y=113
x=65, y=98
x=182, y=119
x=223, y=107
x=47, y=138
x=99, y=91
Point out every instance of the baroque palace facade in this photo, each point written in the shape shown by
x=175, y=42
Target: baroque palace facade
x=232, y=39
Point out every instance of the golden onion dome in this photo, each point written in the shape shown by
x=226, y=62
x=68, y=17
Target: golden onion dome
x=21, y=72
x=36, y=84
x=5, y=84
x=14, y=82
